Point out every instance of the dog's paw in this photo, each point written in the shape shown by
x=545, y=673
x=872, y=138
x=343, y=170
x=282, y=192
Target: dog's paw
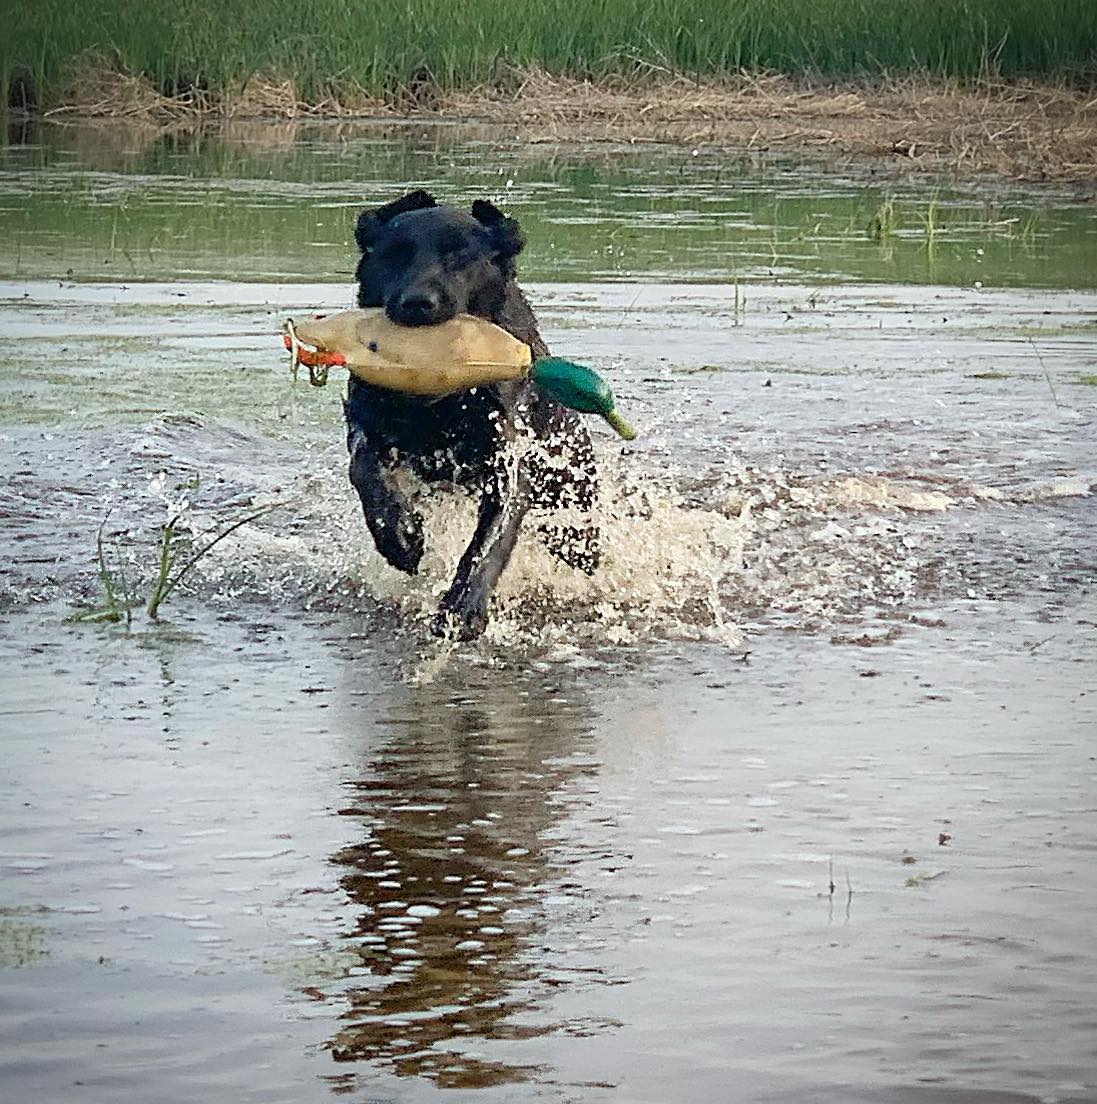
x=459, y=621
x=401, y=544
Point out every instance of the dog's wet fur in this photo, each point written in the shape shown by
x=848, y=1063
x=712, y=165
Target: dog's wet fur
x=424, y=263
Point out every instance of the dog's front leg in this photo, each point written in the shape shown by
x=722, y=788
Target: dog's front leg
x=464, y=609
x=397, y=529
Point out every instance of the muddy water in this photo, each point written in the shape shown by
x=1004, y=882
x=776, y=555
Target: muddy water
x=793, y=802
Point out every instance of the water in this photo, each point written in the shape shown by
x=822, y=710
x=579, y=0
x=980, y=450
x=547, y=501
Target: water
x=793, y=801
x=275, y=203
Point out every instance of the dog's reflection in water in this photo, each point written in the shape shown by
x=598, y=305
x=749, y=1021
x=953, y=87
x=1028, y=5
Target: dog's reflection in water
x=447, y=881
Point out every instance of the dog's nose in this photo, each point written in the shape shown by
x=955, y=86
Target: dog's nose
x=419, y=307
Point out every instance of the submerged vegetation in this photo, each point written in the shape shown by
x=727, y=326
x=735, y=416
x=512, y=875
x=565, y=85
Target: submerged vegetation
x=882, y=225
x=332, y=50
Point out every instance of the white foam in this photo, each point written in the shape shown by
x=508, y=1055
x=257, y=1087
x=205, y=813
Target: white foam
x=679, y=561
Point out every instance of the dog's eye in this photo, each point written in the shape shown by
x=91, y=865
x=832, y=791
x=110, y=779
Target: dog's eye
x=460, y=254
x=457, y=251
x=396, y=252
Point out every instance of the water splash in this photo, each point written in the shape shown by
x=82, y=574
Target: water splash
x=706, y=554
x=682, y=559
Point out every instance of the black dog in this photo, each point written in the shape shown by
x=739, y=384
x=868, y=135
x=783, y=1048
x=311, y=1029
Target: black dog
x=425, y=263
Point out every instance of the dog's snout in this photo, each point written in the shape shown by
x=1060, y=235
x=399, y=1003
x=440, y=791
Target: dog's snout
x=419, y=301
x=419, y=306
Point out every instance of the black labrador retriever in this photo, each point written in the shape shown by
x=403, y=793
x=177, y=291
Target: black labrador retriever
x=513, y=445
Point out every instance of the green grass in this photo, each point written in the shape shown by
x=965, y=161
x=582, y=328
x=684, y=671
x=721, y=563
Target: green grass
x=882, y=225
x=328, y=44
x=177, y=555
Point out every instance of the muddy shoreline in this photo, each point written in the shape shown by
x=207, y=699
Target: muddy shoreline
x=1031, y=131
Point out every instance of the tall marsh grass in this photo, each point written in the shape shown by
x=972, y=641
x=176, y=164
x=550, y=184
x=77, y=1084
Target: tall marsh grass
x=329, y=45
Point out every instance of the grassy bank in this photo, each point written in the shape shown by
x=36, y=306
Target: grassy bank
x=333, y=50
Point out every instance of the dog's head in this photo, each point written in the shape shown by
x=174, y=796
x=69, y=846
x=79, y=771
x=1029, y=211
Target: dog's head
x=425, y=262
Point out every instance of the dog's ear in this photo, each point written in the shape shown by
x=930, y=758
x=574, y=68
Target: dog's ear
x=506, y=234
x=370, y=222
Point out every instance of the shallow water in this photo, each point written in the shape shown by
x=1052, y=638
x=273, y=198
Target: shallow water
x=276, y=203
x=793, y=801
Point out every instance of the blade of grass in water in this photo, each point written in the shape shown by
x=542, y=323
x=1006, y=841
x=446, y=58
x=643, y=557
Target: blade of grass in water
x=114, y=608
x=167, y=580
